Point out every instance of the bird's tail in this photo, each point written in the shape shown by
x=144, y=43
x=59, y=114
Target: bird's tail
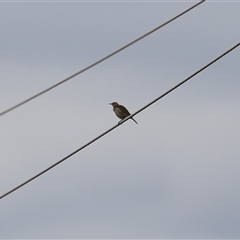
x=134, y=120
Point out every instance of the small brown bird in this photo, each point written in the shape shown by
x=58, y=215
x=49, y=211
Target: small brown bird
x=121, y=111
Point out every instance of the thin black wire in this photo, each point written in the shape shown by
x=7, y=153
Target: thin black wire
x=179, y=84
x=101, y=135
x=99, y=61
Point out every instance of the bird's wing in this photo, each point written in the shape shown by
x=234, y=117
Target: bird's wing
x=124, y=110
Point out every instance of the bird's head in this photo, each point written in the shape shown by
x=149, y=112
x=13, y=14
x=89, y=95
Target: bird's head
x=114, y=104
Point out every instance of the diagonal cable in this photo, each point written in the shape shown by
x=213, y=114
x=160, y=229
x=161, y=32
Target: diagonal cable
x=112, y=128
x=97, y=62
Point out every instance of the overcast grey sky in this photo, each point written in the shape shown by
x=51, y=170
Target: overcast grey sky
x=174, y=175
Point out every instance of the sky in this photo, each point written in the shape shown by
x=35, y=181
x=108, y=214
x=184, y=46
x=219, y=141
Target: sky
x=174, y=175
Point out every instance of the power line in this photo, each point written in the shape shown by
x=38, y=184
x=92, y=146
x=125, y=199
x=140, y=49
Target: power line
x=97, y=62
x=140, y=110
x=188, y=78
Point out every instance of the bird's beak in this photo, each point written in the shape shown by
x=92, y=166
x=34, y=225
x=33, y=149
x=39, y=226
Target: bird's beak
x=110, y=103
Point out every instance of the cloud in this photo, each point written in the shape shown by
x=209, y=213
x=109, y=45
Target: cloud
x=174, y=175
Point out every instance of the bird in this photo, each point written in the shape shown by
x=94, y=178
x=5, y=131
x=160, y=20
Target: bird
x=121, y=111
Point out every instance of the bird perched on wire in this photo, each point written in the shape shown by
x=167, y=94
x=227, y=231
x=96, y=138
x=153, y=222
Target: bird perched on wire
x=121, y=111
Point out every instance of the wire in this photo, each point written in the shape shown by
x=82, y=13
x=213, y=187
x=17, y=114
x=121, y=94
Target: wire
x=97, y=62
x=185, y=80
x=124, y=120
